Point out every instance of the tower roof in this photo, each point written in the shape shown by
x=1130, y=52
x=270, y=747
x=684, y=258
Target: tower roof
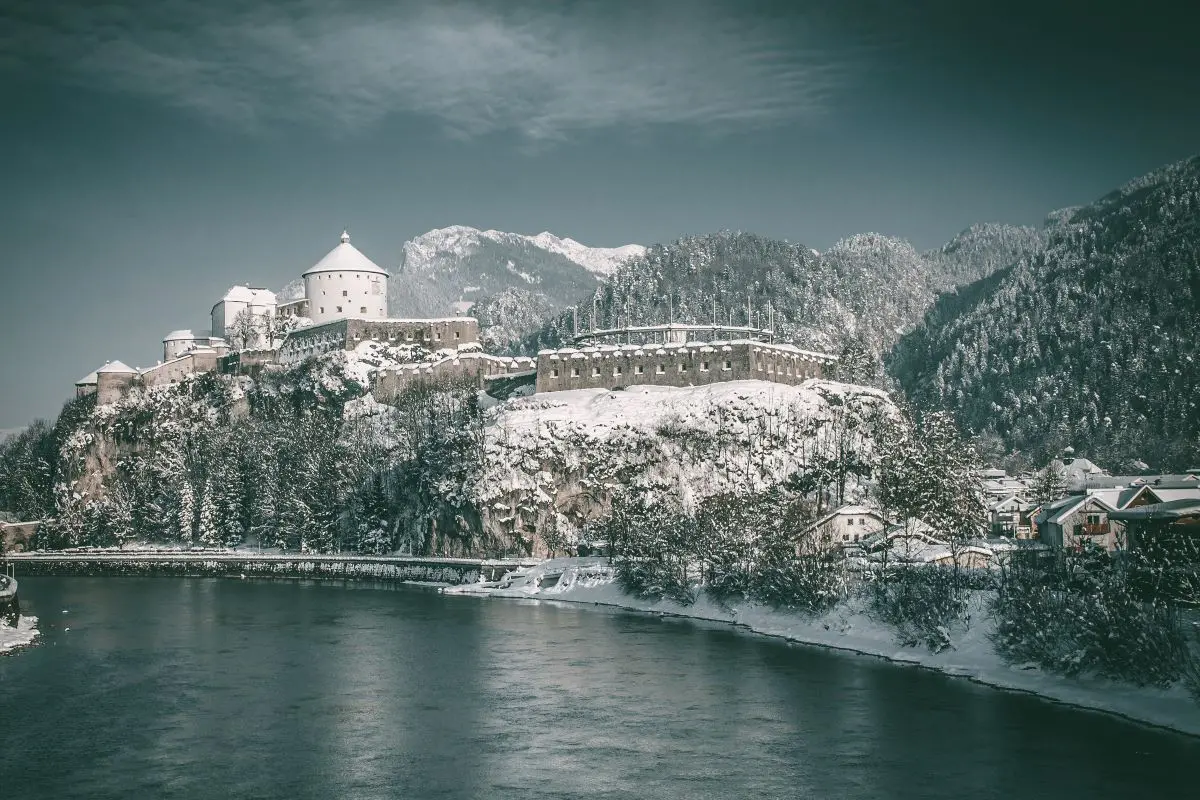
x=116, y=366
x=345, y=258
x=249, y=294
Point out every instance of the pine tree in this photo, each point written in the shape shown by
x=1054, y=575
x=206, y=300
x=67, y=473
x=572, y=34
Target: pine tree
x=186, y=513
x=208, y=533
x=1049, y=484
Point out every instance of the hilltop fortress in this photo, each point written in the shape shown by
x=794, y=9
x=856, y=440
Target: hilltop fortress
x=344, y=307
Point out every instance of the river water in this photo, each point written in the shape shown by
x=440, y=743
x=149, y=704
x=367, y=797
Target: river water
x=164, y=687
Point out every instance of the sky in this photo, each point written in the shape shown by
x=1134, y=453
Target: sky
x=155, y=153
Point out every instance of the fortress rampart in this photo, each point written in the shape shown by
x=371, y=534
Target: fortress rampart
x=691, y=363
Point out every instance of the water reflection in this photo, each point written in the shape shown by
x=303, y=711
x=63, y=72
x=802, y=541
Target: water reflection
x=223, y=688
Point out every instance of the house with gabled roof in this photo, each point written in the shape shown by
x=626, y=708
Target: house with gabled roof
x=1070, y=522
x=1010, y=516
x=844, y=526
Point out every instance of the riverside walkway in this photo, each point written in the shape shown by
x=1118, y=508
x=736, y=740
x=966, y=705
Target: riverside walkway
x=241, y=563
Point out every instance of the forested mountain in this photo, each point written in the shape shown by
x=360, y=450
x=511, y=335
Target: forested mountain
x=981, y=250
x=1093, y=342
x=864, y=291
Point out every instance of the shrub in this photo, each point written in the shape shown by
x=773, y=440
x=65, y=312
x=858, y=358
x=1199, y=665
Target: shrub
x=920, y=602
x=1082, y=616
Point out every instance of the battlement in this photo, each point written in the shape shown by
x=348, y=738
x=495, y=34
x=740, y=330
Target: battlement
x=689, y=363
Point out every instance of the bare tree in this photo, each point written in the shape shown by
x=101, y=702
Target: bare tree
x=246, y=330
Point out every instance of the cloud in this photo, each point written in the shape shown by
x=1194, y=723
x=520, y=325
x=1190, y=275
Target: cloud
x=542, y=70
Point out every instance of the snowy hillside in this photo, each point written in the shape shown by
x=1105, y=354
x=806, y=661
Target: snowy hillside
x=554, y=461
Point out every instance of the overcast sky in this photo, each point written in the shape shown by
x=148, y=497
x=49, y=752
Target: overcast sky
x=155, y=153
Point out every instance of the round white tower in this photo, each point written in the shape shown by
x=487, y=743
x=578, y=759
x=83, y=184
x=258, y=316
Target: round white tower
x=345, y=283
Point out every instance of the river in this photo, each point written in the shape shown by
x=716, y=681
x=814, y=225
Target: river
x=167, y=687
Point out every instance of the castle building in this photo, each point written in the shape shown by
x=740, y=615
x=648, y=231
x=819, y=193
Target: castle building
x=176, y=343
x=260, y=303
x=345, y=283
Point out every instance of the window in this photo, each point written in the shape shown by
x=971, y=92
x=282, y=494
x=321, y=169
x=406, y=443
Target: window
x=554, y=373
x=728, y=365
x=1093, y=519
x=362, y=309
x=345, y=293
x=662, y=368
x=683, y=367
x=639, y=369
x=408, y=336
x=438, y=336
x=616, y=371
x=574, y=372
x=850, y=521
x=322, y=309
x=704, y=366
x=457, y=335
x=595, y=372
x=339, y=308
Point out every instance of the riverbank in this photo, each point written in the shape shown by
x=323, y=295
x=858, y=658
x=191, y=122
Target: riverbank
x=23, y=634
x=247, y=563
x=849, y=627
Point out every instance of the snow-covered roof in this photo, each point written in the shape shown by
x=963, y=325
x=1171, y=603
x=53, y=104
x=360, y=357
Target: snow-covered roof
x=345, y=258
x=186, y=335
x=1171, y=510
x=1168, y=495
x=1057, y=512
x=116, y=367
x=87, y=380
x=249, y=294
x=847, y=510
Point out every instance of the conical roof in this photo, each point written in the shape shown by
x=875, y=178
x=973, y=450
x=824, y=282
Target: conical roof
x=116, y=366
x=345, y=258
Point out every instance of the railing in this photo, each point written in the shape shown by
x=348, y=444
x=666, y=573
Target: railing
x=1092, y=529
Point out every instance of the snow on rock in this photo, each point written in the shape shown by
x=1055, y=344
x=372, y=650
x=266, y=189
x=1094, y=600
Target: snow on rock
x=558, y=458
x=23, y=634
x=849, y=627
x=602, y=261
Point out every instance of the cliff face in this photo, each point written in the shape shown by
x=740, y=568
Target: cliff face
x=554, y=462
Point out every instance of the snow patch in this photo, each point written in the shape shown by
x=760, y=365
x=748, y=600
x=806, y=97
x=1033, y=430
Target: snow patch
x=23, y=634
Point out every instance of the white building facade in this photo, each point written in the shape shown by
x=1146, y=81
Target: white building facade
x=345, y=283
x=176, y=343
x=260, y=303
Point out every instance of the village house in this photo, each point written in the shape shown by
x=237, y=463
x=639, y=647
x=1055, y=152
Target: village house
x=847, y=525
x=1070, y=522
x=914, y=542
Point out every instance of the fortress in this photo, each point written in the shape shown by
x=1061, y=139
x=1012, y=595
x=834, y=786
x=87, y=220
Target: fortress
x=345, y=307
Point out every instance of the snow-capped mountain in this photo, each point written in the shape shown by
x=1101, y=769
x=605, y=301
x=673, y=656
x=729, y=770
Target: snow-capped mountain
x=599, y=260
x=462, y=241
x=448, y=269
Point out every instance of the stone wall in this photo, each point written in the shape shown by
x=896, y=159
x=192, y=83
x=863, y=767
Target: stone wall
x=112, y=386
x=177, y=369
x=345, y=334
x=676, y=364
x=474, y=366
x=246, y=362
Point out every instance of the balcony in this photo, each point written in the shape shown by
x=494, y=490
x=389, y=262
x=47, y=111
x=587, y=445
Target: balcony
x=1092, y=529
